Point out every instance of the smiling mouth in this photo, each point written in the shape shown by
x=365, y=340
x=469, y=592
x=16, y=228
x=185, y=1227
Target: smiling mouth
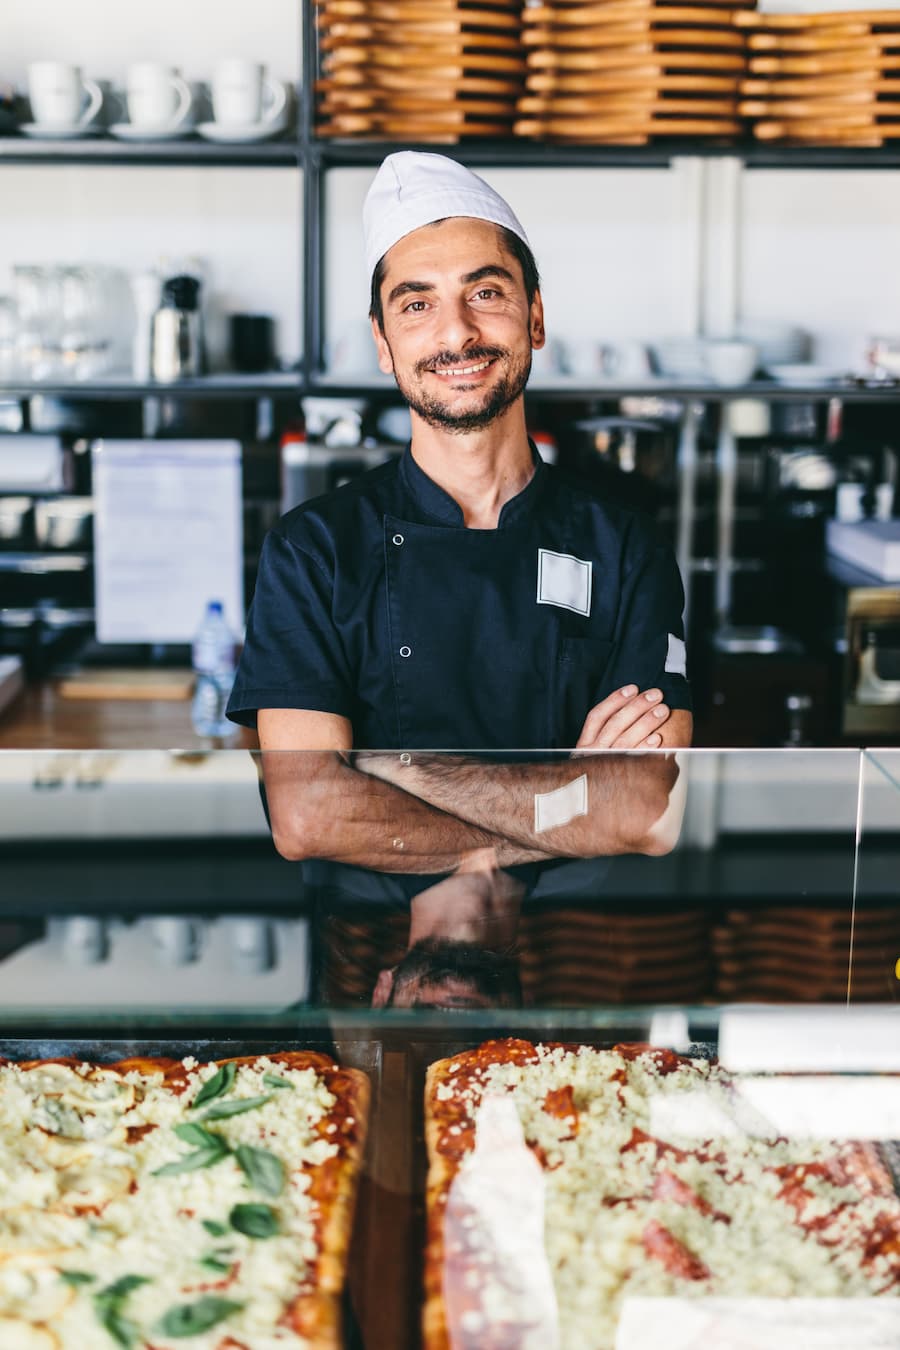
x=464, y=370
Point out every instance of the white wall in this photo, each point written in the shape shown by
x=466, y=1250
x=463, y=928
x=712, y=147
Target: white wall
x=819, y=249
x=105, y=36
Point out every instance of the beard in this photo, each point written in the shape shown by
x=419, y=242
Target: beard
x=433, y=410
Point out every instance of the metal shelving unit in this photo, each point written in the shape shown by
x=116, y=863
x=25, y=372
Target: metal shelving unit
x=314, y=158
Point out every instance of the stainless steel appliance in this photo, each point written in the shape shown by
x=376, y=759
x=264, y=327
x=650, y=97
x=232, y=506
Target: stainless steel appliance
x=871, y=708
x=176, y=339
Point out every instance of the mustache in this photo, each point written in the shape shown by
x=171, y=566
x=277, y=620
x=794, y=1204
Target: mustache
x=454, y=360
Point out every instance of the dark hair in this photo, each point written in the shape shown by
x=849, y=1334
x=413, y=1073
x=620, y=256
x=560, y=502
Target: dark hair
x=493, y=974
x=514, y=245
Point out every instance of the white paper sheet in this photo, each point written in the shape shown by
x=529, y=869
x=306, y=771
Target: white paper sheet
x=802, y=1040
x=498, y=1289
x=811, y=1106
x=759, y=1324
x=168, y=537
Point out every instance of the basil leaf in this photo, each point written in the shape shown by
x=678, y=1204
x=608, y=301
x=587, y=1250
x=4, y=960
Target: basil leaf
x=123, y=1331
x=193, y=1162
x=214, y=1262
x=255, y=1221
x=217, y=1086
x=76, y=1277
x=215, y=1229
x=273, y=1081
x=262, y=1169
x=114, y=1293
x=190, y=1319
x=108, y=1307
x=195, y=1134
x=225, y=1110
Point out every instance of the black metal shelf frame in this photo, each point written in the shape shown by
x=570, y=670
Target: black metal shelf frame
x=294, y=386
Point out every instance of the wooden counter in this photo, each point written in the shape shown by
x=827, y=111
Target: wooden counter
x=39, y=719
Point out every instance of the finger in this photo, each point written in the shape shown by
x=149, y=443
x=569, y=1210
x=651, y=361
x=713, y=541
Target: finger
x=645, y=726
x=598, y=715
x=620, y=722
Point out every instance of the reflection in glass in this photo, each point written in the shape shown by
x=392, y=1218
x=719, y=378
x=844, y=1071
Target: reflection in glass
x=874, y=972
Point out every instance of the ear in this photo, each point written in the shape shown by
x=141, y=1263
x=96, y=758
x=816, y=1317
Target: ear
x=385, y=360
x=384, y=987
x=536, y=322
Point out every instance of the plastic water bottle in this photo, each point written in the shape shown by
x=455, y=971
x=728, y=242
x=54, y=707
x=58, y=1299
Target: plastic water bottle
x=212, y=657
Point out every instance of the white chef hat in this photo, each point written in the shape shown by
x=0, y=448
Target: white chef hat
x=412, y=189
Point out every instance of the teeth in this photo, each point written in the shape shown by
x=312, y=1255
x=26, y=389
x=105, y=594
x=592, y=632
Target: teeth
x=466, y=370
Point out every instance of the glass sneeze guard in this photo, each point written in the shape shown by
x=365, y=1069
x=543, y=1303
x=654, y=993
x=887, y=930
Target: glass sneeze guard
x=729, y=920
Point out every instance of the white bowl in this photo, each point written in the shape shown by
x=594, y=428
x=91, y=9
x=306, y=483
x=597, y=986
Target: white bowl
x=681, y=357
x=731, y=362
x=777, y=343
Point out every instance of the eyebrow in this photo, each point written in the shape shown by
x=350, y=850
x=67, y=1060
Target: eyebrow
x=480, y=274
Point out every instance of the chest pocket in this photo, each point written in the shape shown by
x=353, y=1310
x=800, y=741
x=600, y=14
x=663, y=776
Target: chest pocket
x=581, y=672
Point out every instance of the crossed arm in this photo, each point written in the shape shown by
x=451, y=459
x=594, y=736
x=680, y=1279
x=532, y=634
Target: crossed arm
x=428, y=815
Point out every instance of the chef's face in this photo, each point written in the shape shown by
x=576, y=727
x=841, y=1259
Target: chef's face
x=458, y=329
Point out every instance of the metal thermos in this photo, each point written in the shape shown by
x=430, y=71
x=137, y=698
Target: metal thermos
x=176, y=340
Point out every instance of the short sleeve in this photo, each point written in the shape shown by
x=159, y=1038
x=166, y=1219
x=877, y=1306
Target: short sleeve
x=293, y=656
x=649, y=645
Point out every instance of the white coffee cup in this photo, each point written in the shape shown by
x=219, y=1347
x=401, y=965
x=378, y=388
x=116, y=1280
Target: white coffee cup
x=176, y=940
x=158, y=98
x=730, y=362
x=244, y=95
x=60, y=96
x=83, y=940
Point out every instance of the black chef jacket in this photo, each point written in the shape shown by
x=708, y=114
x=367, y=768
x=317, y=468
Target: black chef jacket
x=375, y=602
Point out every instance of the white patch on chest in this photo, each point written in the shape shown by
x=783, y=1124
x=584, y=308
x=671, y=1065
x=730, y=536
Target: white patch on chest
x=564, y=580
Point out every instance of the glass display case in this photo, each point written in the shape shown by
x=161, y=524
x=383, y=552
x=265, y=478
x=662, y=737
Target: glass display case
x=711, y=940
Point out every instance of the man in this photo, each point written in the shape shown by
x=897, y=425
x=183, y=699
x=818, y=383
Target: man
x=467, y=597
x=461, y=948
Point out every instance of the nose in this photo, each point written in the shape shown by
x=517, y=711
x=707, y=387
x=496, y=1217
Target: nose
x=457, y=327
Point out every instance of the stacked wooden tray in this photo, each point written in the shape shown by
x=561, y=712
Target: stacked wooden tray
x=802, y=954
x=825, y=79
x=419, y=70
x=625, y=71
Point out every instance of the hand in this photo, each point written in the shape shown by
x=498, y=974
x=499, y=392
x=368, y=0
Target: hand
x=626, y=719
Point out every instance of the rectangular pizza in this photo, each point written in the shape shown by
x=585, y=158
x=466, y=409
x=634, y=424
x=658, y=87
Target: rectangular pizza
x=157, y=1203
x=632, y=1206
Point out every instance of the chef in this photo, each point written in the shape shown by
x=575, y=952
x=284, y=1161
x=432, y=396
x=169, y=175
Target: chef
x=467, y=596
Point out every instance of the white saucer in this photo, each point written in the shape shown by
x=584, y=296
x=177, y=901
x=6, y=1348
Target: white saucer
x=126, y=131
x=42, y=132
x=256, y=131
x=804, y=373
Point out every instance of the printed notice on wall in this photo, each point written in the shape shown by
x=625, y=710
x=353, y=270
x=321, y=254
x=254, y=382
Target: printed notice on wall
x=168, y=537
x=759, y=1323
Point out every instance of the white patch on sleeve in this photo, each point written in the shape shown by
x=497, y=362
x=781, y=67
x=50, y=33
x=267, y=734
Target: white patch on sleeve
x=563, y=804
x=676, y=656
x=564, y=580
